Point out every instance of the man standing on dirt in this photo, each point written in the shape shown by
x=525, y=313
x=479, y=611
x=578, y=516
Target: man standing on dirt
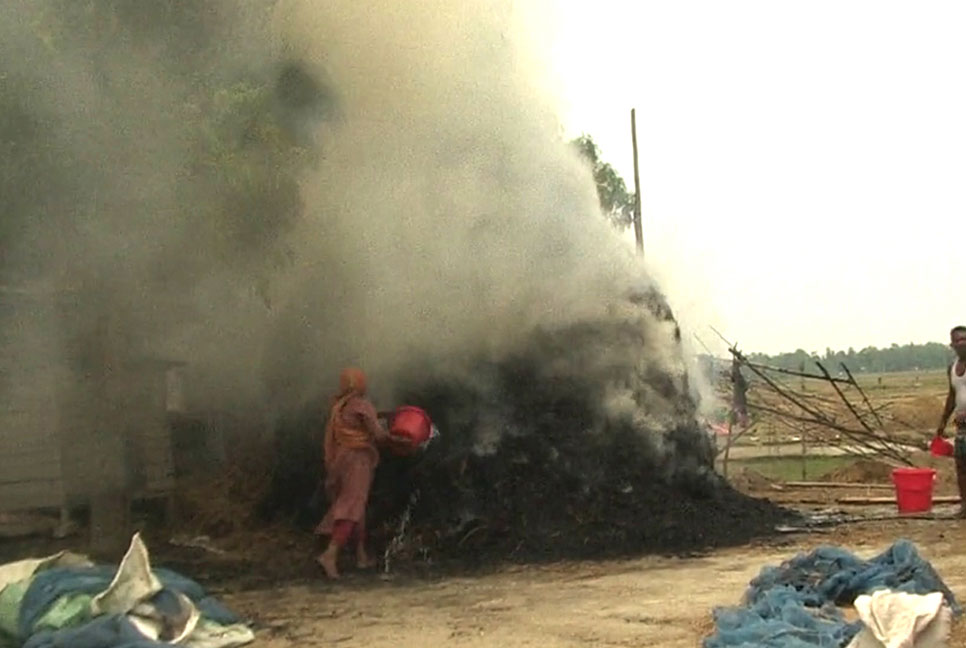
x=956, y=402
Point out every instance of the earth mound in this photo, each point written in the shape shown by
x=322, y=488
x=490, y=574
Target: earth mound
x=863, y=471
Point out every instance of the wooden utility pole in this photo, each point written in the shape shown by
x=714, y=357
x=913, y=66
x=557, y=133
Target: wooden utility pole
x=638, y=228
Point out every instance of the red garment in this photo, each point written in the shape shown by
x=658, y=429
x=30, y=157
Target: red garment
x=352, y=422
x=341, y=532
x=351, y=456
x=347, y=485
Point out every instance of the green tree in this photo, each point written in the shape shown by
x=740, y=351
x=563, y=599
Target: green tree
x=616, y=201
x=237, y=130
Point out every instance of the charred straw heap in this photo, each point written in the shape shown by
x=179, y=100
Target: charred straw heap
x=583, y=442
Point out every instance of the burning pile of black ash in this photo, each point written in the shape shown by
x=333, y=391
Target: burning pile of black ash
x=580, y=443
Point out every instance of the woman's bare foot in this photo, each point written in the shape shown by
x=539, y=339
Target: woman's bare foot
x=328, y=560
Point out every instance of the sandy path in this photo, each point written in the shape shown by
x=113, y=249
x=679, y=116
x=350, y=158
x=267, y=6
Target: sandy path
x=646, y=602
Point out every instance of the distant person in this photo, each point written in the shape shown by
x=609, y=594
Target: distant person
x=956, y=404
x=352, y=432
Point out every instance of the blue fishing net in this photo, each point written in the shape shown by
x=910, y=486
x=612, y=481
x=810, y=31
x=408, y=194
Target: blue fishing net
x=794, y=605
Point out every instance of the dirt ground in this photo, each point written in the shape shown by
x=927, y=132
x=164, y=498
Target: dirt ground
x=645, y=602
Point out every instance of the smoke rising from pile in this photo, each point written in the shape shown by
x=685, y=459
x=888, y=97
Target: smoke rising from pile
x=272, y=190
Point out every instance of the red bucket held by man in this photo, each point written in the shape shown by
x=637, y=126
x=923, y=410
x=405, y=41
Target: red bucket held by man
x=940, y=447
x=411, y=429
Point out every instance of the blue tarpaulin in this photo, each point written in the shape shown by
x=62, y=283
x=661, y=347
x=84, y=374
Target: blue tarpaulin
x=114, y=631
x=50, y=603
x=50, y=585
x=794, y=605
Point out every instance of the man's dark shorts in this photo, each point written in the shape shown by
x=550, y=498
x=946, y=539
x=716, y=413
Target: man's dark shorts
x=959, y=449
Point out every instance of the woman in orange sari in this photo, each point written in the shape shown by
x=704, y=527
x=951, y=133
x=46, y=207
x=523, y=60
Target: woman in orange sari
x=351, y=456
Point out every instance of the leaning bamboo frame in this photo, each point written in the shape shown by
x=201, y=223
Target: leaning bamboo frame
x=864, y=432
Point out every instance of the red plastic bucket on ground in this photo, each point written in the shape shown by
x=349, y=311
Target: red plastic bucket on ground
x=413, y=423
x=913, y=489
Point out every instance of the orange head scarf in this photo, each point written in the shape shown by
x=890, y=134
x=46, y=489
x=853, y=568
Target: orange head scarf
x=352, y=382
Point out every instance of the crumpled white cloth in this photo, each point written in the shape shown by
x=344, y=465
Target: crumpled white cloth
x=135, y=583
x=901, y=620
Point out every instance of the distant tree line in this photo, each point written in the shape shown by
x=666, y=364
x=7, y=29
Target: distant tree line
x=906, y=357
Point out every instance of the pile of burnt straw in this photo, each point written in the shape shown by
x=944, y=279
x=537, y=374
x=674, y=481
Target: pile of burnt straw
x=571, y=447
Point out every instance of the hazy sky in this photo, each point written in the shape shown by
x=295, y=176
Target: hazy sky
x=802, y=163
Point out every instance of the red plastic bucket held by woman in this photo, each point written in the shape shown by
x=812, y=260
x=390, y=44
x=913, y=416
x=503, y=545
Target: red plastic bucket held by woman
x=913, y=489
x=412, y=423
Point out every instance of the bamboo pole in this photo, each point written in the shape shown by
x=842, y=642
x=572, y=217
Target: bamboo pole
x=792, y=372
x=862, y=393
x=804, y=455
x=638, y=226
x=821, y=484
x=937, y=499
x=855, y=413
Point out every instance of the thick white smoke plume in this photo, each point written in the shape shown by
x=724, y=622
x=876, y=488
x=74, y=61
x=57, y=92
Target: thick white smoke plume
x=272, y=190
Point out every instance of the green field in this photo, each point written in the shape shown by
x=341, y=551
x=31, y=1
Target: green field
x=905, y=382
x=789, y=468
